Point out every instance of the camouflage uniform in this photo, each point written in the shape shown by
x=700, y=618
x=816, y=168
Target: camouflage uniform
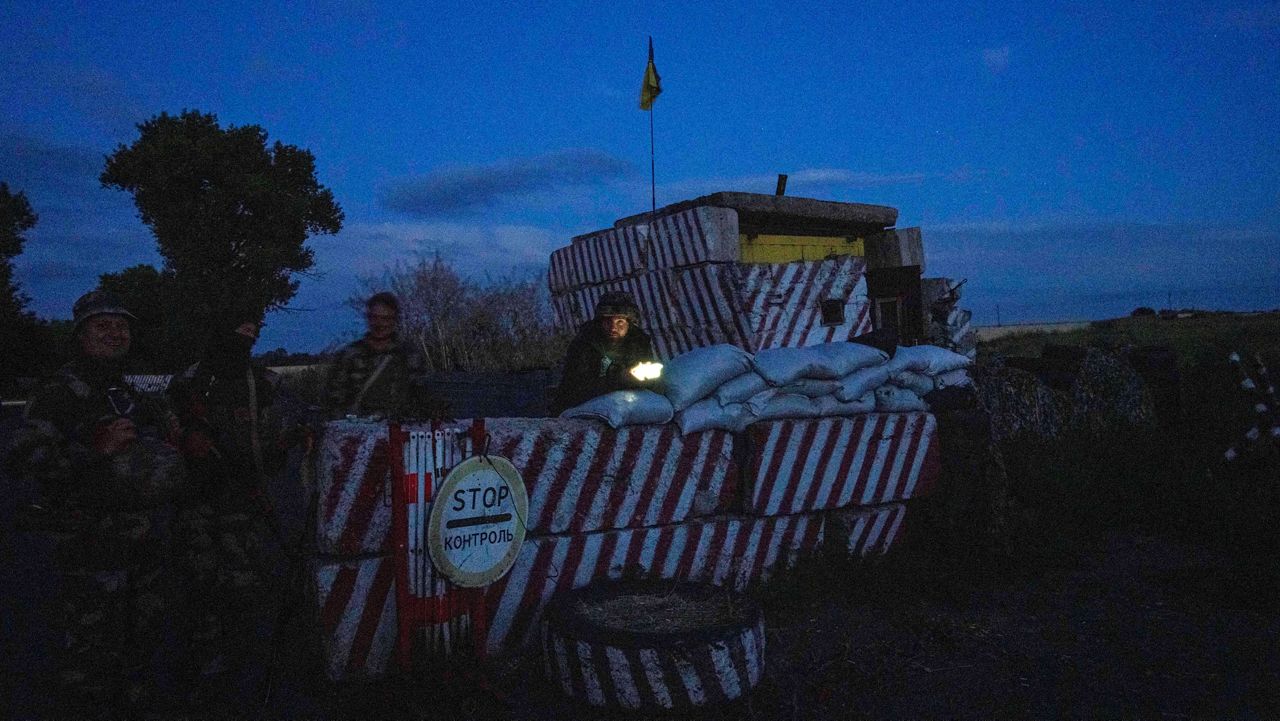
x=399, y=391
x=109, y=518
x=224, y=528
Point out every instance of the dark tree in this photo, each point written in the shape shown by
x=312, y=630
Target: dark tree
x=230, y=214
x=16, y=217
x=26, y=340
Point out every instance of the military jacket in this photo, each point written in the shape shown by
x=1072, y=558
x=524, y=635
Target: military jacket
x=398, y=391
x=55, y=446
x=224, y=411
x=593, y=366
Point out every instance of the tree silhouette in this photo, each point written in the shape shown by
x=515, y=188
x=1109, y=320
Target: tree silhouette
x=230, y=214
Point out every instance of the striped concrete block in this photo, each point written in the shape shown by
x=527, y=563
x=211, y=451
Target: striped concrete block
x=693, y=236
x=651, y=291
x=606, y=666
x=353, y=469
x=584, y=476
x=799, y=466
x=683, y=308
x=353, y=509
x=357, y=612
x=782, y=301
x=753, y=306
x=729, y=551
x=864, y=531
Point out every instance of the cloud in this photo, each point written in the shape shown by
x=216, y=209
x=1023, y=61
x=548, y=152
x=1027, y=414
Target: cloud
x=459, y=190
x=1050, y=270
x=996, y=59
x=83, y=229
x=804, y=180
x=102, y=99
x=30, y=162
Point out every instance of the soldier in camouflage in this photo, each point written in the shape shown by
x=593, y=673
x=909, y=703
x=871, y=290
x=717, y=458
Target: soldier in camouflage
x=602, y=354
x=379, y=375
x=233, y=442
x=103, y=462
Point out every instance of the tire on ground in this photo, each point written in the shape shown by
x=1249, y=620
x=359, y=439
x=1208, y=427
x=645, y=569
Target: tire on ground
x=653, y=644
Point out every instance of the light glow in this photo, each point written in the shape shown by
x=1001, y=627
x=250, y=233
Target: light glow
x=647, y=371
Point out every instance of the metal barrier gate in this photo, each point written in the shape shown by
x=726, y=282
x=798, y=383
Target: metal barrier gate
x=430, y=610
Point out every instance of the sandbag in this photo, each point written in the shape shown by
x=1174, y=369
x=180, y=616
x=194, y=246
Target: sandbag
x=740, y=389
x=857, y=384
x=692, y=376
x=847, y=356
x=892, y=399
x=708, y=413
x=625, y=408
x=919, y=383
x=811, y=387
x=756, y=404
x=832, y=406
x=781, y=366
x=958, y=377
x=927, y=359
x=787, y=405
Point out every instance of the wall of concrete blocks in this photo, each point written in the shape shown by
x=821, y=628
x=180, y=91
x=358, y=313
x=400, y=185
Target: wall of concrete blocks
x=730, y=509
x=692, y=292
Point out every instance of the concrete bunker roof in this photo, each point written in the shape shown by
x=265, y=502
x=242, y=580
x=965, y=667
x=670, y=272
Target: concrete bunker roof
x=759, y=212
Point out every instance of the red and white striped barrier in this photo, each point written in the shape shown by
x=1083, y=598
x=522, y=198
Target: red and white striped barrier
x=753, y=306
x=798, y=466
x=682, y=308
x=353, y=513
x=864, y=531
x=686, y=673
x=357, y=599
x=584, y=476
x=357, y=612
x=426, y=603
x=693, y=236
x=783, y=301
x=730, y=551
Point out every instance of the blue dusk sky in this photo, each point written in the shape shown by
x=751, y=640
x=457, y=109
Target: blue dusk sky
x=1071, y=163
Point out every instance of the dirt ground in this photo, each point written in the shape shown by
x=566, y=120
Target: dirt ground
x=1126, y=626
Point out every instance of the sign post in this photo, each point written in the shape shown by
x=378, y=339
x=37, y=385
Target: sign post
x=477, y=524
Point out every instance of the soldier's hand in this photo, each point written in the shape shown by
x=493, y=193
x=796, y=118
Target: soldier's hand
x=197, y=445
x=115, y=436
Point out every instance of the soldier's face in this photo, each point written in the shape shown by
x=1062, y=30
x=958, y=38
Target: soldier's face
x=249, y=329
x=615, y=326
x=105, y=337
x=381, y=321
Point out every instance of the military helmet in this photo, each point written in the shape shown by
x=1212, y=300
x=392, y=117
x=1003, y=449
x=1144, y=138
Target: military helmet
x=98, y=302
x=616, y=304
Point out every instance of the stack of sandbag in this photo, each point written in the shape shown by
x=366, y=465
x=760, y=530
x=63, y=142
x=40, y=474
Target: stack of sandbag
x=724, y=387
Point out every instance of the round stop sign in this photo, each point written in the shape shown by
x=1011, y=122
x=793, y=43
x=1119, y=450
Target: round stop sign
x=477, y=525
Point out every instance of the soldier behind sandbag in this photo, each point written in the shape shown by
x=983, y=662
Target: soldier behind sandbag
x=380, y=375
x=106, y=472
x=604, y=352
x=233, y=440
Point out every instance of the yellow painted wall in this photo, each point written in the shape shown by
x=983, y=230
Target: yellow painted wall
x=786, y=248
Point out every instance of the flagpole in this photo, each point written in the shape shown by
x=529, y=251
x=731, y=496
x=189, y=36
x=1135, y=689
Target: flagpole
x=653, y=182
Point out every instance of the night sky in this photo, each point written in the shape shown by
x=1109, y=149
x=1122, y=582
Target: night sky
x=1072, y=164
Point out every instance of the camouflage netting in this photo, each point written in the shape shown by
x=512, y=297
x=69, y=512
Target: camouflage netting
x=1106, y=393
x=1018, y=402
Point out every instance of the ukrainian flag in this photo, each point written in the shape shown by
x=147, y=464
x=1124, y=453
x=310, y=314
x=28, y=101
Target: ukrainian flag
x=652, y=86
